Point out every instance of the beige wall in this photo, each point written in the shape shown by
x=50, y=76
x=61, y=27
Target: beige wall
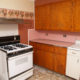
x=24, y=5
x=8, y=29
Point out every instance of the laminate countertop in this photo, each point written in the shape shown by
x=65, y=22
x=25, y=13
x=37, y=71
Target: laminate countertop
x=53, y=42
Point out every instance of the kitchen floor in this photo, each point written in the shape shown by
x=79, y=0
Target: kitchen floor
x=45, y=74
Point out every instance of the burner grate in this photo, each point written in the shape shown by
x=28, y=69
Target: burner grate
x=20, y=45
x=7, y=47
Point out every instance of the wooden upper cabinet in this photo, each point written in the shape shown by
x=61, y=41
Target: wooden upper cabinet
x=54, y=16
x=61, y=16
x=42, y=17
x=76, y=16
x=37, y=20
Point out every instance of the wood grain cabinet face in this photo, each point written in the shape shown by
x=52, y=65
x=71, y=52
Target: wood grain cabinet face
x=60, y=63
x=45, y=59
x=40, y=58
x=51, y=57
x=37, y=26
x=35, y=57
x=60, y=50
x=61, y=16
x=45, y=47
x=60, y=59
x=49, y=60
x=76, y=15
x=42, y=17
x=55, y=16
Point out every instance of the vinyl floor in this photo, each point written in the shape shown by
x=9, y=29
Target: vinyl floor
x=45, y=74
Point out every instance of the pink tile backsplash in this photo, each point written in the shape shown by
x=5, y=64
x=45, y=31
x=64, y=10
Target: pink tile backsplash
x=50, y=35
x=32, y=34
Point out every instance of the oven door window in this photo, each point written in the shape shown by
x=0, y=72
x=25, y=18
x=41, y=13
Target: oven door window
x=20, y=63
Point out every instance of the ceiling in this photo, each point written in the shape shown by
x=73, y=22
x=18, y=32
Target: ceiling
x=41, y=2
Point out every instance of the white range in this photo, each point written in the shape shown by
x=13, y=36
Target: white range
x=16, y=59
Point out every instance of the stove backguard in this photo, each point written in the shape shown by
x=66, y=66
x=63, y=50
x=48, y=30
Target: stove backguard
x=9, y=40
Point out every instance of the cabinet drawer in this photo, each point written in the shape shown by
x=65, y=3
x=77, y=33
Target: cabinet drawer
x=45, y=47
x=73, y=52
x=50, y=48
x=61, y=50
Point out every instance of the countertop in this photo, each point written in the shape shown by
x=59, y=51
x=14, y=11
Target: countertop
x=53, y=42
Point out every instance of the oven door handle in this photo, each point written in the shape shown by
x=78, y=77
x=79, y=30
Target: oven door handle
x=20, y=53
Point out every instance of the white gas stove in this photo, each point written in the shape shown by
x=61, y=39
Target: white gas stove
x=16, y=59
x=11, y=48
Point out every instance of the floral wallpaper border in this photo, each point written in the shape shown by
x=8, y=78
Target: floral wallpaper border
x=17, y=14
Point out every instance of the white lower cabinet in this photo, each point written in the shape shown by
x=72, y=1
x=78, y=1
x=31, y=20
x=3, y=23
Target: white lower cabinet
x=73, y=65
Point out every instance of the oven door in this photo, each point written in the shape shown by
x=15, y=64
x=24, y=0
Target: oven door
x=20, y=63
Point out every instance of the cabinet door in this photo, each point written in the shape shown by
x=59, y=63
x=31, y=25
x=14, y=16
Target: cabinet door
x=61, y=16
x=76, y=16
x=60, y=63
x=45, y=59
x=49, y=60
x=45, y=47
x=60, y=50
x=42, y=17
x=72, y=67
x=40, y=58
x=35, y=57
x=37, y=20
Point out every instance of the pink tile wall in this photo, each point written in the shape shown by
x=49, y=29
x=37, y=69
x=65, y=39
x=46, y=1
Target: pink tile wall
x=50, y=35
x=32, y=34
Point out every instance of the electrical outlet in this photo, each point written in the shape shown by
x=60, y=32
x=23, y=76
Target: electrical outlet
x=46, y=34
x=64, y=35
